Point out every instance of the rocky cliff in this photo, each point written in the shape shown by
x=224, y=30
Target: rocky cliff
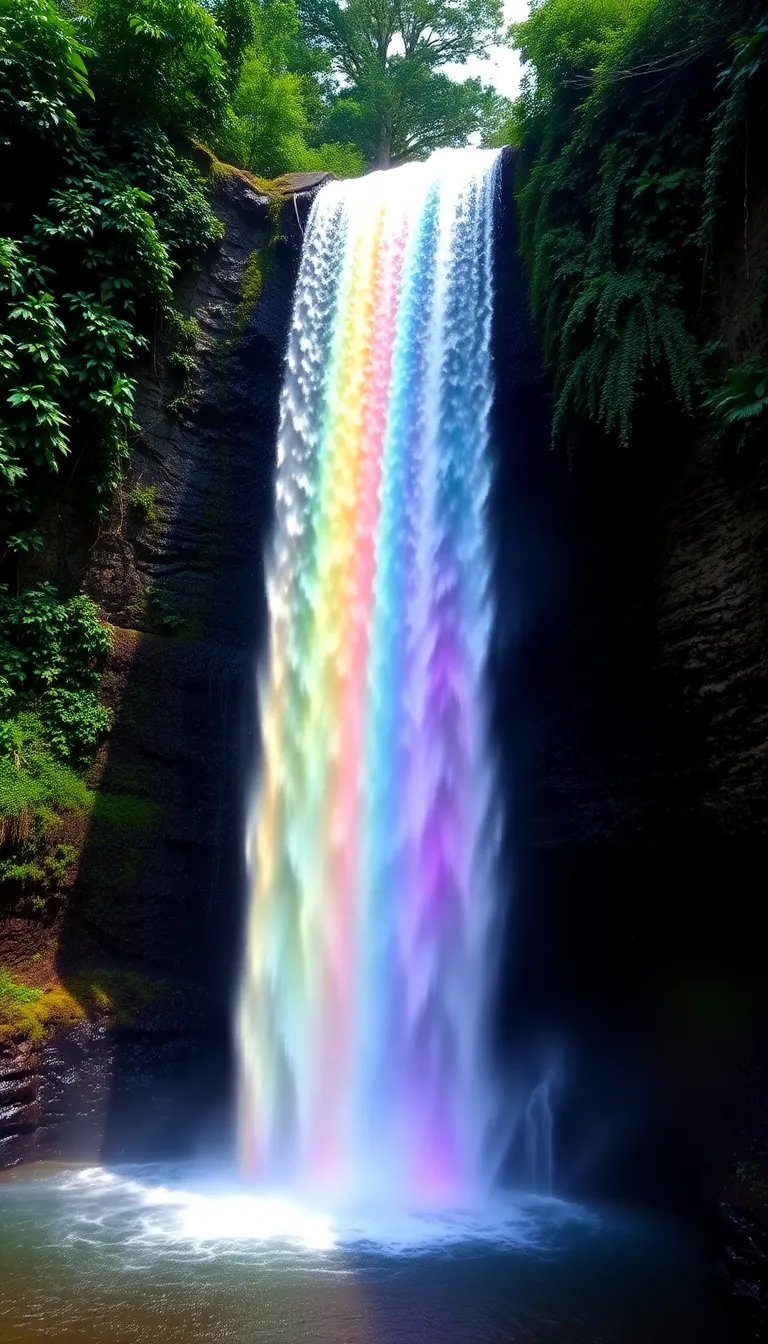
x=630, y=703
x=135, y=957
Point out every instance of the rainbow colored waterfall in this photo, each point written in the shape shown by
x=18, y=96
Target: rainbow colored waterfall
x=361, y=1019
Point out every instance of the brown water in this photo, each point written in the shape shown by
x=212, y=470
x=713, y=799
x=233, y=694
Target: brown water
x=155, y=1254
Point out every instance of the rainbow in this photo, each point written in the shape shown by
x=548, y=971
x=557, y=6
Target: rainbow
x=364, y=988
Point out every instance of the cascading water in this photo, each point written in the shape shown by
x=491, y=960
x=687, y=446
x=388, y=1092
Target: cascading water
x=368, y=961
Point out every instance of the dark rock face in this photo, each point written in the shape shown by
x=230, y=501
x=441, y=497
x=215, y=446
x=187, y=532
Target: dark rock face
x=19, y=1086
x=160, y=877
x=744, y=1271
x=711, y=624
x=631, y=720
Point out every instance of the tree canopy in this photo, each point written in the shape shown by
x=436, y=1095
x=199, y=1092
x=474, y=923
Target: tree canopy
x=384, y=70
x=266, y=127
x=158, y=60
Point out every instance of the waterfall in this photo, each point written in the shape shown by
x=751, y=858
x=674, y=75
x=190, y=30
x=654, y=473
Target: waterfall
x=538, y=1140
x=369, y=953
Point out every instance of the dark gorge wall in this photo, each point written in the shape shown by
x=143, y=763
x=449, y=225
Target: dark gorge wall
x=631, y=709
x=629, y=701
x=143, y=947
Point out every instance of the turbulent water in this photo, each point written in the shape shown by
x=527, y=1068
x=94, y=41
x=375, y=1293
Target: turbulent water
x=361, y=1021
x=173, y=1254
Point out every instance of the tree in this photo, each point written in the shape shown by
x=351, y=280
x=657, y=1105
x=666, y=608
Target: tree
x=266, y=126
x=159, y=61
x=385, y=62
x=237, y=21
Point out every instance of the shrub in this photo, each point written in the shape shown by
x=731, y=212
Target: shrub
x=143, y=505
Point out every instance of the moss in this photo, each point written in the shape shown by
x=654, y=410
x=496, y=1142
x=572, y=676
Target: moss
x=217, y=171
x=182, y=335
x=126, y=811
x=276, y=204
x=143, y=505
x=35, y=784
x=154, y=606
x=12, y=992
x=183, y=332
x=251, y=286
x=126, y=998
x=257, y=266
x=211, y=167
x=29, y=1012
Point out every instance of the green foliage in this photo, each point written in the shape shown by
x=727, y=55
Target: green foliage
x=749, y=49
x=12, y=992
x=47, y=643
x=35, y=785
x=625, y=119
x=183, y=332
x=267, y=125
x=93, y=242
x=182, y=335
x=35, y=872
x=155, y=609
x=380, y=69
x=237, y=21
x=323, y=85
x=159, y=61
x=41, y=71
x=143, y=505
x=51, y=653
x=182, y=213
x=621, y=325
x=744, y=394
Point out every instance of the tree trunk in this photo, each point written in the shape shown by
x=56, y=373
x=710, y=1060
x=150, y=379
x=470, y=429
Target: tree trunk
x=384, y=150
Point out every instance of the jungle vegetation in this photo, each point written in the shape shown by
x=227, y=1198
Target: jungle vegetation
x=640, y=127
x=101, y=105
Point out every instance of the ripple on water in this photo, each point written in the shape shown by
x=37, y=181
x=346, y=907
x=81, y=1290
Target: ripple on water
x=175, y=1254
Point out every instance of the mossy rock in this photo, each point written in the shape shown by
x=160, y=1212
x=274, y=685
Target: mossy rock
x=124, y=999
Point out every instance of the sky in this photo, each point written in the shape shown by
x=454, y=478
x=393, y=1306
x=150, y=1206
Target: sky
x=502, y=68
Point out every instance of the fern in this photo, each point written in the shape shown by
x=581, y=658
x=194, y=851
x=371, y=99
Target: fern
x=619, y=328
x=628, y=113
x=744, y=395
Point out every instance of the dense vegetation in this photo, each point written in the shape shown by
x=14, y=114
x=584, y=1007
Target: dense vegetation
x=99, y=208
x=101, y=103
x=641, y=125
